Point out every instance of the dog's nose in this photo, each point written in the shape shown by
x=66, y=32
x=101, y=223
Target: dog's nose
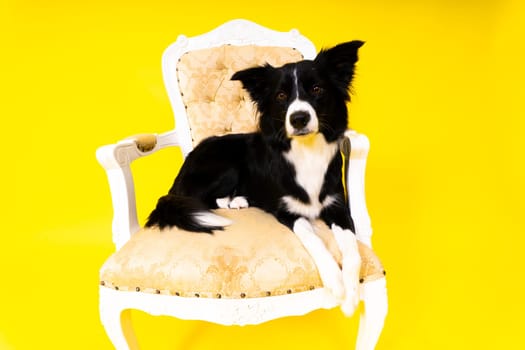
x=299, y=119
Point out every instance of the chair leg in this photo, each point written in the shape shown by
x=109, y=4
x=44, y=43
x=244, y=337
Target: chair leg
x=117, y=324
x=373, y=315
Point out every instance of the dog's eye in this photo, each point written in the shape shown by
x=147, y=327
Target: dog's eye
x=317, y=90
x=281, y=96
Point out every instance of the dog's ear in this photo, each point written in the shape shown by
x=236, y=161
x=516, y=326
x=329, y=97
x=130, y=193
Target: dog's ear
x=255, y=80
x=339, y=62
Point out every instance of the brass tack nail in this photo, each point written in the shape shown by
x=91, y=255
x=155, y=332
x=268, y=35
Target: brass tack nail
x=268, y=293
x=361, y=280
x=289, y=291
x=243, y=295
x=219, y=295
x=116, y=287
x=137, y=289
x=384, y=273
x=312, y=287
x=102, y=283
x=197, y=295
x=177, y=294
x=157, y=291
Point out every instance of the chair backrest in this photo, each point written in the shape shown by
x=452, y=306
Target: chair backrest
x=197, y=74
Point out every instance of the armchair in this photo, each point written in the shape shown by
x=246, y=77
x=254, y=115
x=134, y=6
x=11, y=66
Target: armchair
x=233, y=277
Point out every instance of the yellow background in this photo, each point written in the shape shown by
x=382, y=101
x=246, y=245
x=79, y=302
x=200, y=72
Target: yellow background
x=439, y=91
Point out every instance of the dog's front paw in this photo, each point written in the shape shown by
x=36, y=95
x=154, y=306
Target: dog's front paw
x=223, y=203
x=333, y=280
x=239, y=202
x=329, y=271
x=351, y=266
x=350, y=304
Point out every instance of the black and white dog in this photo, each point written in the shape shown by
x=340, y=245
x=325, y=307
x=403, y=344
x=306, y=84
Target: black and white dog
x=291, y=167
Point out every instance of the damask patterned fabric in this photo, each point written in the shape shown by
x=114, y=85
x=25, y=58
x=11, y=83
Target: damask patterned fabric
x=216, y=105
x=254, y=257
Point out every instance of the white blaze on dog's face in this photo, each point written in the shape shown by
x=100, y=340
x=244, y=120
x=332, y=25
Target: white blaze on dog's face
x=307, y=97
x=301, y=117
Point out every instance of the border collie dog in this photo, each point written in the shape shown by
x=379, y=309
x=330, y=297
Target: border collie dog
x=291, y=167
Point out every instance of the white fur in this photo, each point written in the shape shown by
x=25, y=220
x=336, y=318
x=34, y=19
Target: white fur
x=223, y=203
x=205, y=218
x=328, y=268
x=310, y=155
x=301, y=106
x=311, y=210
x=351, y=266
x=238, y=202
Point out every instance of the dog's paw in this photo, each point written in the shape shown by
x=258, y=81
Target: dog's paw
x=351, y=266
x=239, y=202
x=350, y=302
x=333, y=281
x=223, y=203
x=329, y=270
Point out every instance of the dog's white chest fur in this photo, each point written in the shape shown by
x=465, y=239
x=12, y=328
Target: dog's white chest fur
x=310, y=156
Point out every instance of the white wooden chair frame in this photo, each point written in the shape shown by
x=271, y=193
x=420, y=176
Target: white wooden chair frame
x=116, y=159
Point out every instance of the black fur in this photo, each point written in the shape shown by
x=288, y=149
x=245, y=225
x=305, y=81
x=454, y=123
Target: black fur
x=254, y=165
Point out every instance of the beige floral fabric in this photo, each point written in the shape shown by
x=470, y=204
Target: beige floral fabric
x=254, y=257
x=216, y=105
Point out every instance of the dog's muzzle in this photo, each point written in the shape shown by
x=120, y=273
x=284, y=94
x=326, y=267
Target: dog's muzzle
x=301, y=119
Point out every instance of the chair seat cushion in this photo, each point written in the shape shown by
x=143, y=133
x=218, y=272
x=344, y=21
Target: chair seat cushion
x=256, y=256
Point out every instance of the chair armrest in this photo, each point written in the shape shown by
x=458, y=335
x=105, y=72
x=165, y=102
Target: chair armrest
x=116, y=160
x=358, y=148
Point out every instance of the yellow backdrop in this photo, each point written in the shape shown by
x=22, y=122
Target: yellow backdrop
x=439, y=91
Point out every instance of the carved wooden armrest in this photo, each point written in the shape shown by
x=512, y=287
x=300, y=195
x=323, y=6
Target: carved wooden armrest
x=116, y=160
x=355, y=148
x=145, y=142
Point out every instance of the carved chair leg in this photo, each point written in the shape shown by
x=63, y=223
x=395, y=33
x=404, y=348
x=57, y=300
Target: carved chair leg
x=117, y=324
x=372, y=317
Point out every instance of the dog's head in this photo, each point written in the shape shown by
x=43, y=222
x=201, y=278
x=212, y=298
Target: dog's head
x=306, y=97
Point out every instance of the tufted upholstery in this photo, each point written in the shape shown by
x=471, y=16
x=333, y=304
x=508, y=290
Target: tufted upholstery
x=216, y=105
x=254, y=257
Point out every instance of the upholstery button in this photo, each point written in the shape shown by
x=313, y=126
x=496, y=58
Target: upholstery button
x=137, y=289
